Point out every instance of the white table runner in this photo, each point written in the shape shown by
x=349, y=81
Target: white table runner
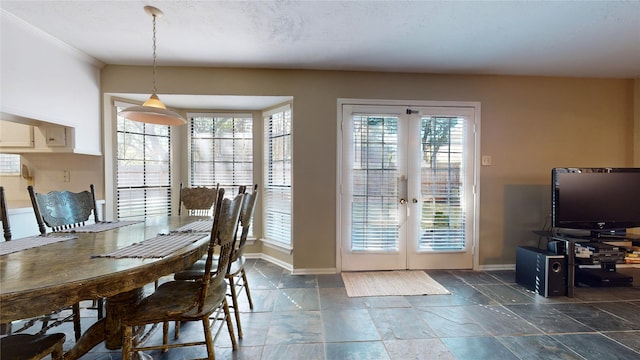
x=157, y=247
x=8, y=247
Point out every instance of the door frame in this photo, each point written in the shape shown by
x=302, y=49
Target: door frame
x=476, y=105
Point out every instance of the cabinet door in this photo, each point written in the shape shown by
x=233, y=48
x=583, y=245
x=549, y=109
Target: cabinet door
x=55, y=136
x=15, y=134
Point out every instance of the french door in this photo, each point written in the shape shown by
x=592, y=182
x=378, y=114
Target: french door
x=407, y=187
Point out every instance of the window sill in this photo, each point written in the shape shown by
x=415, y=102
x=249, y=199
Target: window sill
x=278, y=246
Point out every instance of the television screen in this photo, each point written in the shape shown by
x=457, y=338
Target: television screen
x=600, y=200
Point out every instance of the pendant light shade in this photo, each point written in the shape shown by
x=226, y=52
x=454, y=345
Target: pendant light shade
x=153, y=111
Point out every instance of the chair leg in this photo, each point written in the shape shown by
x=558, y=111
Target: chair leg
x=246, y=288
x=176, y=333
x=127, y=342
x=208, y=338
x=5, y=328
x=56, y=354
x=77, y=329
x=165, y=335
x=236, y=308
x=227, y=315
x=100, y=304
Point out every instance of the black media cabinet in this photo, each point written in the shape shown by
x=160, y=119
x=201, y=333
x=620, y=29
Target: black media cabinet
x=590, y=251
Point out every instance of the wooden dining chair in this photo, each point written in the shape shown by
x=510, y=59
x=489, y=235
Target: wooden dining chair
x=236, y=274
x=47, y=321
x=198, y=201
x=62, y=210
x=4, y=216
x=32, y=347
x=199, y=300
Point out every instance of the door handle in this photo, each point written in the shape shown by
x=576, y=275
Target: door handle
x=415, y=201
x=403, y=201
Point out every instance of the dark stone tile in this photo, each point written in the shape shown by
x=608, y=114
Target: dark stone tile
x=337, y=299
x=297, y=281
x=263, y=300
x=547, y=318
x=460, y=295
x=296, y=299
x=244, y=353
x=377, y=302
x=506, y=276
x=498, y=320
x=262, y=281
x=452, y=321
x=625, y=310
x=588, y=294
x=596, y=346
x=357, y=350
x=537, y=348
x=505, y=294
x=255, y=327
x=349, y=325
x=418, y=349
x=594, y=318
x=445, y=278
x=478, y=348
x=475, y=277
x=630, y=339
x=330, y=281
x=400, y=324
x=293, y=351
x=295, y=327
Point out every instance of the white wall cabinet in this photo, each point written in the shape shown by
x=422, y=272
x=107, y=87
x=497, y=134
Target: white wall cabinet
x=14, y=135
x=45, y=138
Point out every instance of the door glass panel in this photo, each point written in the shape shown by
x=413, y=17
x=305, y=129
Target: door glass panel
x=442, y=225
x=374, y=209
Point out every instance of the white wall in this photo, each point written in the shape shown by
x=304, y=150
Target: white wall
x=44, y=79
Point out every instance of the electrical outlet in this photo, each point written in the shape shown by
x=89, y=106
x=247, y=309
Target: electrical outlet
x=486, y=160
x=66, y=175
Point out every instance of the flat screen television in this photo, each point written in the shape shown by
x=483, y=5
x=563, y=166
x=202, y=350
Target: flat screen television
x=595, y=202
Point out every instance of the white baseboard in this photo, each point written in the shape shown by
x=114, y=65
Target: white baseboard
x=319, y=271
x=270, y=259
x=286, y=266
x=497, y=267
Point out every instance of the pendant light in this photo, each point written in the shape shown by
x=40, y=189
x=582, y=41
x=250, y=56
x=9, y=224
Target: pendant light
x=153, y=111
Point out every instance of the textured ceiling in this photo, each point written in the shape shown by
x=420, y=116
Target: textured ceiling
x=555, y=38
x=545, y=38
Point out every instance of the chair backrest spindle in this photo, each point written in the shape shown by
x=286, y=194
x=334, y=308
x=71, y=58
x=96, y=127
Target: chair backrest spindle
x=4, y=216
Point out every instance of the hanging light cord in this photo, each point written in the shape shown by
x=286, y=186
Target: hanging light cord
x=155, y=90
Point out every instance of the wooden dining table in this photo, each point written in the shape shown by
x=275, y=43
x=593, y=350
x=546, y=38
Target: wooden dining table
x=39, y=280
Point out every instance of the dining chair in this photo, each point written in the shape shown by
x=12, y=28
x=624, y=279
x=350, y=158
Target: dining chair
x=62, y=210
x=4, y=216
x=198, y=201
x=47, y=321
x=199, y=300
x=236, y=274
x=32, y=347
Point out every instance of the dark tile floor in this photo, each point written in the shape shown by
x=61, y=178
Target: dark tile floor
x=487, y=316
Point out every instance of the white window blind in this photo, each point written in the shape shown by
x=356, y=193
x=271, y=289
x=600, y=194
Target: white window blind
x=374, y=211
x=443, y=218
x=221, y=151
x=143, y=169
x=277, y=184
